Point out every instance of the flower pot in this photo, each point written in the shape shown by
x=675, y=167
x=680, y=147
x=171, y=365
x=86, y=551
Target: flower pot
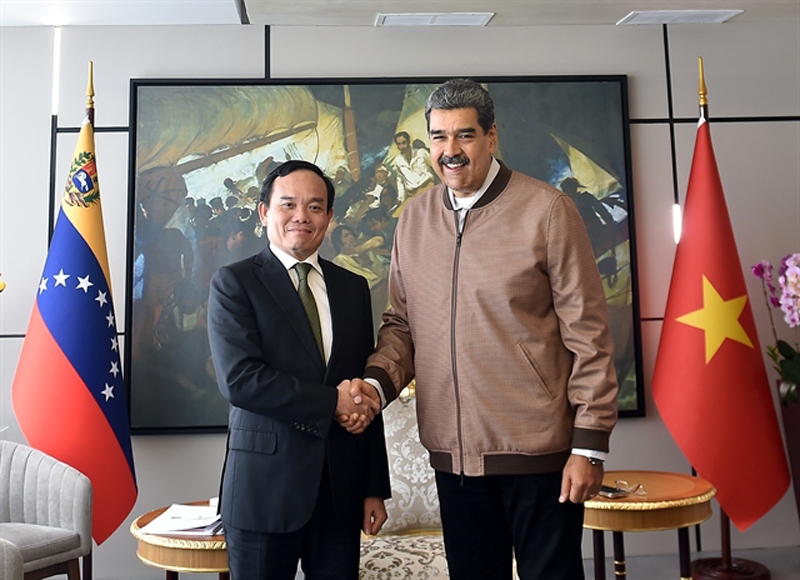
x=790, y=414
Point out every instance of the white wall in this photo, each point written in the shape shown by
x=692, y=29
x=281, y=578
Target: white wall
x=752, y=71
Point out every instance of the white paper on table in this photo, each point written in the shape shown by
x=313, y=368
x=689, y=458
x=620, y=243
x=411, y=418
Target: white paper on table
x=185, y=520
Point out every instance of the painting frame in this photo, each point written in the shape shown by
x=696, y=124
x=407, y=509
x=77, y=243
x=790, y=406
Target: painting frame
x=196, y=144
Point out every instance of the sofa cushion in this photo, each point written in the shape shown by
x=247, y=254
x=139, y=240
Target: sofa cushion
x=36, y=542
x=412, y=556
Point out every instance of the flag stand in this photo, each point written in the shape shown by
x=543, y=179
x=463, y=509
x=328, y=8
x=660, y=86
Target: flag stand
x=72, y=334
x=695, y=369
x=726, y=567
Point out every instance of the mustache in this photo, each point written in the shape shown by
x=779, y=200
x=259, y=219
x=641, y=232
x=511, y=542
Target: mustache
x=445, y=160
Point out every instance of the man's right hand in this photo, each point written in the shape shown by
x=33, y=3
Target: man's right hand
x=357, y=405
x=360, y=387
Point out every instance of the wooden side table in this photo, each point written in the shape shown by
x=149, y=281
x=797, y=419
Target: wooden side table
x=673, y=501
x=176, y=553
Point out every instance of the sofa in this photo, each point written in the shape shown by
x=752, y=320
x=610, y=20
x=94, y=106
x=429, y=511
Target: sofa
x=410, y=545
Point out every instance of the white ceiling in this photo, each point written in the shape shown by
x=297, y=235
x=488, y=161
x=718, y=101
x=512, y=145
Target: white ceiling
x=361, y=12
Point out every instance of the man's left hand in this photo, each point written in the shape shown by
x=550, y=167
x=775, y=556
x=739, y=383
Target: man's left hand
x=581, y=480
x=374, y=515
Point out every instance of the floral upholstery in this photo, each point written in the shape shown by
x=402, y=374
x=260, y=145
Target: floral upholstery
x=410, y=544
x=403, y=557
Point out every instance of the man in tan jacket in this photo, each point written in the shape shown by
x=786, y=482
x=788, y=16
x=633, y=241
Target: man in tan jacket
x=498, y=311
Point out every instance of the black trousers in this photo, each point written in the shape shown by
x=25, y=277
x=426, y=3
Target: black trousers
x=487, y=520
x=326, y=549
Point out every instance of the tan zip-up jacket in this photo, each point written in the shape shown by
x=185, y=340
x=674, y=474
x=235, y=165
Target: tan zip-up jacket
x=505, y=328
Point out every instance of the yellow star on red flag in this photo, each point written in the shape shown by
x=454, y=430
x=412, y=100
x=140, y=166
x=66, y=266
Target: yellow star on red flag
x=719, y=319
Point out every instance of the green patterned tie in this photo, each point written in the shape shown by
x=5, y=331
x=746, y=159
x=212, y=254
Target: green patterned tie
x=310, y=305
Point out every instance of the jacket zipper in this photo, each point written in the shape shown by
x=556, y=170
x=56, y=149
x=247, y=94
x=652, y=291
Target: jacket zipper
x=454, y=295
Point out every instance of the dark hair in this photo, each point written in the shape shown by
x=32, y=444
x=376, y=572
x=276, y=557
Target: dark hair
x=403, y=134
x=570, y=185
x=375, y=213
x=291, y=166
x=203, y=210
x=336, y=236
x=462, y=94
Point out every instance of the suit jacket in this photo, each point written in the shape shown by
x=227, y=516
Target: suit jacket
x=283, y=398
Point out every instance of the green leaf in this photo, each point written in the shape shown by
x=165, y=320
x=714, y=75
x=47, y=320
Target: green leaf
x=788, y=394
x=91, y=198
x=772, y=351
x=786, y=350
x=790, y=371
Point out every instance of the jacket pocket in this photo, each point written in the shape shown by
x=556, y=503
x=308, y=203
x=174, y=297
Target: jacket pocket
x=530, y=360
x=251, y=440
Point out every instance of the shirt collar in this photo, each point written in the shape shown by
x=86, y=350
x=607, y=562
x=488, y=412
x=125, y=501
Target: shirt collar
x=459, y=203
x=289, y=261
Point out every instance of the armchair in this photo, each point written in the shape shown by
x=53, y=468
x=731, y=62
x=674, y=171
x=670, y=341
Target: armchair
x=410, y=545
x=45, y=511
x=10, y=561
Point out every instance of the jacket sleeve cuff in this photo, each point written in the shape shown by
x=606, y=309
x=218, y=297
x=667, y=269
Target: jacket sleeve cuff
x=590, y=439
x=380, y=375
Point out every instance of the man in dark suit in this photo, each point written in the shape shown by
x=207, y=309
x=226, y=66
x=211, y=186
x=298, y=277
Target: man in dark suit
x=296, y=485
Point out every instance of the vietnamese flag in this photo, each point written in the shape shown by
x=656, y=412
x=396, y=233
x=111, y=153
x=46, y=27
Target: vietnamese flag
x=710, y=383
x=68, y=393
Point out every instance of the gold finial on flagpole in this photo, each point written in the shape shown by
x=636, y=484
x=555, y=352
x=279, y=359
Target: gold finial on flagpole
x=702, y=91
x=90, y=94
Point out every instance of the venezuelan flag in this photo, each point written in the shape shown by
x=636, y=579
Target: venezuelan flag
x=68, y=393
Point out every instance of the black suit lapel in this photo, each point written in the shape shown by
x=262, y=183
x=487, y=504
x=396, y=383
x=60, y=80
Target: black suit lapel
x=271, y=272
x=335, y=303
x=344, y=303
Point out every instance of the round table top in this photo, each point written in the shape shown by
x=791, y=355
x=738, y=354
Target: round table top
x=672, y=501
x=664, y=490
x=187, y=542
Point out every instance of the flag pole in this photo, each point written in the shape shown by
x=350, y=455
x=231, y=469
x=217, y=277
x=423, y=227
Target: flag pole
x=726, y=567
x=87, y=560
x=702, y=93
x=90, y=95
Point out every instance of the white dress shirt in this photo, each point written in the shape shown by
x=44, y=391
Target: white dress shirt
x=316, y=282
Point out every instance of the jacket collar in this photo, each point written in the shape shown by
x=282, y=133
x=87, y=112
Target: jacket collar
x=495, y=189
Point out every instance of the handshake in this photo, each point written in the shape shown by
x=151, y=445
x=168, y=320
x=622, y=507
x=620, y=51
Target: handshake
x=357, y=405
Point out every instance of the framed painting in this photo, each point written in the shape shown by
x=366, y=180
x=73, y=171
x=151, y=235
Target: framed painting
x=200, y=149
